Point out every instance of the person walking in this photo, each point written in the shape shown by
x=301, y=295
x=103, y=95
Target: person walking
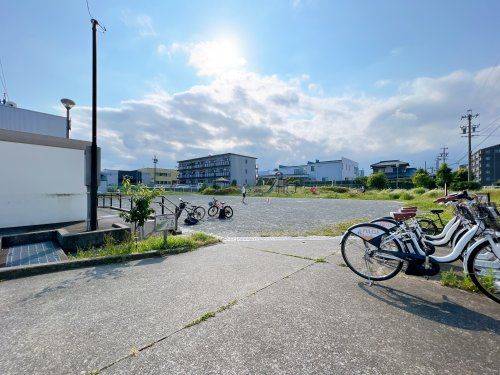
x=243, y=193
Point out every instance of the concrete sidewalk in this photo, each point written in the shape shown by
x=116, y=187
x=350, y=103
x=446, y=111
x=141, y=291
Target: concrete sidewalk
x=291, y=315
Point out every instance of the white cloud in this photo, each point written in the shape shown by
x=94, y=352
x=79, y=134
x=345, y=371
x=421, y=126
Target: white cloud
x=141, y=22
x=278, y=121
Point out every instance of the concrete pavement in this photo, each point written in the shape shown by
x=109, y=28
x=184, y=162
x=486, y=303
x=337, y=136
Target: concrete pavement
x=292, y=315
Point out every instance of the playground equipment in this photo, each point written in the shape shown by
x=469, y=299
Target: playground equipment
x=279, y=184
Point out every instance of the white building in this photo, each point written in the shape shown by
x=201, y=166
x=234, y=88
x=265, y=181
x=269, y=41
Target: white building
x=229, y=167
x=331, y=170
x=24, y=120
x=44, y=175
x=44, y=179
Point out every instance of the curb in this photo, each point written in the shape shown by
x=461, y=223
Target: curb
x=38, y=269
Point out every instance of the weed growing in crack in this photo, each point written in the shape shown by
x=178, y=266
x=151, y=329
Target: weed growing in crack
x=211, y=314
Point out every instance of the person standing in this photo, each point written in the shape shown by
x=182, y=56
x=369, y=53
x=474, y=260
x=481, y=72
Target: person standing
x=243, y=193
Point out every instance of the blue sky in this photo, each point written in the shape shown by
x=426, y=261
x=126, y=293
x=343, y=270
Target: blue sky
x=287, y=81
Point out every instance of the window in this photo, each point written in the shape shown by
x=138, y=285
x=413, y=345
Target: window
x=246, y=171
x=312, y=168
x=246, y=161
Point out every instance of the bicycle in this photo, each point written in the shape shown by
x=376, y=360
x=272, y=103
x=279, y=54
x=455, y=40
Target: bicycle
x=193, y=211
x=377, y=253
x=216, y=206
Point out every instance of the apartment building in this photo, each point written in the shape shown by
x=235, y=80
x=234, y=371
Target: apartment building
x=486, y=165
x=218, y=169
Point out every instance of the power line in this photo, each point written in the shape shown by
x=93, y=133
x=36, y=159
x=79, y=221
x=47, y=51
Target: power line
x=2, y=79
x=489, y=125
x=102, y=27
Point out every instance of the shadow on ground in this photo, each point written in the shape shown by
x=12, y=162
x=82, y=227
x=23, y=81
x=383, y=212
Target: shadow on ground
x=106, y=272
x=445, y=312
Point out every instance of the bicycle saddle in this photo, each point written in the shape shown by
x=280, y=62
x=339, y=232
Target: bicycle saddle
x=436, y=211
x=403, y=216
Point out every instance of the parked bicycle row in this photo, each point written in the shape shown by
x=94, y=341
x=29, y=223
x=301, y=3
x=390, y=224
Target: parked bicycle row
x=195, y=213
x=380, y=249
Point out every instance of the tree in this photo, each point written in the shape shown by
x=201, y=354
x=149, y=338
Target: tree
x=361, y=180
x=461, y=175
x=234, y=183
x=141, y=198
x=444, y=175
x=421, y=178
x=377, y=180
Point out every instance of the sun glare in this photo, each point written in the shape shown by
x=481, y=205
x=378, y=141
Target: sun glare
x=216, y=57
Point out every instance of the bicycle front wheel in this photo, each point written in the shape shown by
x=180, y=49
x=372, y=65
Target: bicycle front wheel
x=366, y=260
x=213, y=211
x=199, y=213
x=484, y=270
x=228, y=211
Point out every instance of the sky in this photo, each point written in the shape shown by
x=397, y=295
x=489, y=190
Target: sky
x=286, y=81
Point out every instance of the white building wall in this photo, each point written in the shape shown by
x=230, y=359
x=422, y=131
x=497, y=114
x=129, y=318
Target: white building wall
x=328, y=171
x=45, y=184
x=242, y=170
x=23, y=120
x=350, y=169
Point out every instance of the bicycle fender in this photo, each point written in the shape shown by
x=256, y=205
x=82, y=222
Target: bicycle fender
x=470, y=249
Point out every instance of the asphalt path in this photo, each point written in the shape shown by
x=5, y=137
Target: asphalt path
x=285, y=313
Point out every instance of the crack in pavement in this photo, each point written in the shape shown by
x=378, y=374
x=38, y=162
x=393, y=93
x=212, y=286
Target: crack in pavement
x=227, y=307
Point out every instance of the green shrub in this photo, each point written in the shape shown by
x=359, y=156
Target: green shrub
x=418, y=190
x=465, y=185
x=229, y=190
x=407, y=196
x=395, y=195
x=423, y=179
x=377, y=180
x=434, y=193
x=335, y=189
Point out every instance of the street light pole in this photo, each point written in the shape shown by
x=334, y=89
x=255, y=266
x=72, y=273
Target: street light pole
x=397, y=176
x=68, y=104
x=155, y=161
x=93, y=163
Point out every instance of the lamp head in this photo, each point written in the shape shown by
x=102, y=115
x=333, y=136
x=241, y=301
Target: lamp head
x=68, y=103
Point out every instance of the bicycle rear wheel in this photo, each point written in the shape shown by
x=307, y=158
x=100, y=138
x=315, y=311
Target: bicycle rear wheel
x=199, y=213
x=484, y=270
x=366, y=260
x=229, y=211
x=428, y=227
x=213, y=211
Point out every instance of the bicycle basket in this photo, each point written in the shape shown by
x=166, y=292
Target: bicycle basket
x=488, y=213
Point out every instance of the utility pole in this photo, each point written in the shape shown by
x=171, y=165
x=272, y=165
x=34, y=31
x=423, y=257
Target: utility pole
x=93, y=163
x=155, y=161
x=468, y=130
x=444, y=155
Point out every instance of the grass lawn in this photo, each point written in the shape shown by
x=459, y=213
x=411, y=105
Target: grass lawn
x=174, y=245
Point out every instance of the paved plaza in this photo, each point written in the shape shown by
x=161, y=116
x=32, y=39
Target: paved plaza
x=268, y=216
x=271, y=309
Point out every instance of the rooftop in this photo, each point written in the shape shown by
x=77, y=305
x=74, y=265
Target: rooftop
x=214, y=156
x=389, y=163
